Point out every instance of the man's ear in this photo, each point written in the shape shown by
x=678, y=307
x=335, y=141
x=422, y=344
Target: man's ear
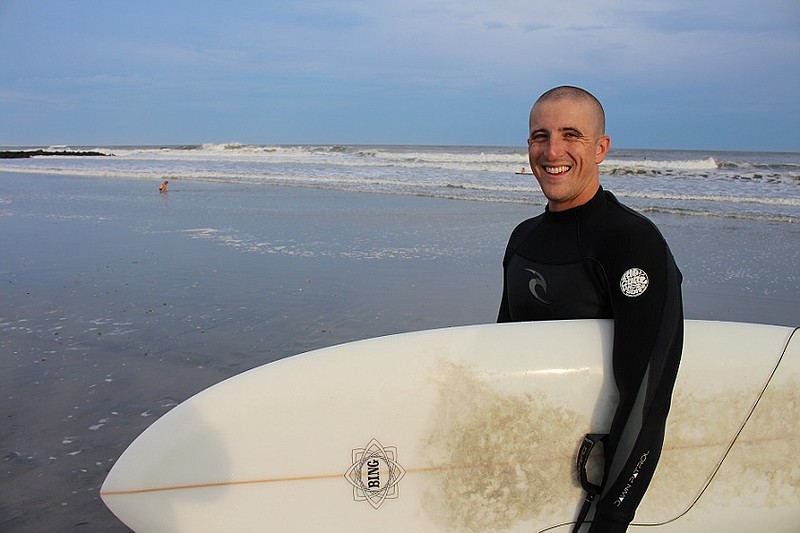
x=603, y=145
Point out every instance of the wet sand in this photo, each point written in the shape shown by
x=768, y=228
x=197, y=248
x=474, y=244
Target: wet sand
x=118, y=302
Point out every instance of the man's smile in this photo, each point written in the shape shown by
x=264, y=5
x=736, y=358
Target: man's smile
x=557, y=170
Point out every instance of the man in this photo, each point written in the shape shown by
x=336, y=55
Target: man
x=588, y=256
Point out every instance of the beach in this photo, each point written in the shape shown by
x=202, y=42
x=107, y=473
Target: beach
x=118, y=302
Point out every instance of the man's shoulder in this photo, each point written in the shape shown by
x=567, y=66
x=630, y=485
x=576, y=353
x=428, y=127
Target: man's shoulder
x=626, y=223
x=527, y=226
x=521, y=233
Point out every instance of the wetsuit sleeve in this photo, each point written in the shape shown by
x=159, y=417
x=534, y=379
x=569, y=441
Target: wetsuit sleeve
x=648, y=341
x=504, y=315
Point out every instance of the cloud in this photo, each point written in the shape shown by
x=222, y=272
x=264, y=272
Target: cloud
x=465, y=43
x=451, y=58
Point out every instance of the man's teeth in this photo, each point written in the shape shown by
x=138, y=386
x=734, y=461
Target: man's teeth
x=556, y=170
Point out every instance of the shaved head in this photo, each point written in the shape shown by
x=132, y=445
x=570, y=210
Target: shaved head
x=568, y=92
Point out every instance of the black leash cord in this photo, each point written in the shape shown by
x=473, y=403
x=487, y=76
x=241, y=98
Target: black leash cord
x=592, y=490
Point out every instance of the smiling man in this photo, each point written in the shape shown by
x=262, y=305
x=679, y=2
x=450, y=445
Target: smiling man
x=567, y=143
x=588, y=256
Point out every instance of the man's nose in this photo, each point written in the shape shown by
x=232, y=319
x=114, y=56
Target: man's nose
x=554, y=148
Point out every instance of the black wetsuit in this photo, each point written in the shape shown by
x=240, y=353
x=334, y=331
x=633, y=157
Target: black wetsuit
x=604, y=260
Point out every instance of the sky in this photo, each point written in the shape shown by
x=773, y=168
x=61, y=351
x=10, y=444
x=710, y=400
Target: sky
x=672, y=74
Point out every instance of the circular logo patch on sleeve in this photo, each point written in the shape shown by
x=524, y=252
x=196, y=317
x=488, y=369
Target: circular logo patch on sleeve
x=634, y=282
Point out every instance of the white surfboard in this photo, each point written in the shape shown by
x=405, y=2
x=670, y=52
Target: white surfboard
x=468, y=429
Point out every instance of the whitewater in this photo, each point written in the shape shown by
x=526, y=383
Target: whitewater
x=745, y=185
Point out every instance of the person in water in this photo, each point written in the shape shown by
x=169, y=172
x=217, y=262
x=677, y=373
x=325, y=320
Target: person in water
x=163, y=187
x=589, y=256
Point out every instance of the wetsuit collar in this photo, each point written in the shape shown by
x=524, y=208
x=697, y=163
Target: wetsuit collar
x=589, y=206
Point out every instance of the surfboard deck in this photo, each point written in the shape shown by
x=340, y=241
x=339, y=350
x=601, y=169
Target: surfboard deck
x=468, y=429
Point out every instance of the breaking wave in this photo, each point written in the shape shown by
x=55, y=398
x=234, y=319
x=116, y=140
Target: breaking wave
x=730, y=184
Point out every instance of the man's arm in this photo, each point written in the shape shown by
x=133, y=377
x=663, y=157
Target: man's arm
x=648, y=341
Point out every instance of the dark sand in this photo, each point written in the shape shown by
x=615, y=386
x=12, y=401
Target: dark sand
x=118, y=302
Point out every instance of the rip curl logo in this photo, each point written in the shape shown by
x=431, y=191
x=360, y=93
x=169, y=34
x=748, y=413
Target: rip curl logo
x=538, y=281
x=634, y=282
x=375, y=474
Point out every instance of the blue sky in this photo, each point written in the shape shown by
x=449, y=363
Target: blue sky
x=691, y=74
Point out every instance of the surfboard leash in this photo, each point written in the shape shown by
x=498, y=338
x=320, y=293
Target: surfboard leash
x=590, y=440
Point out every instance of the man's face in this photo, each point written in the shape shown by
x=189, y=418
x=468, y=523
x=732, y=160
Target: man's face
x=565, y=146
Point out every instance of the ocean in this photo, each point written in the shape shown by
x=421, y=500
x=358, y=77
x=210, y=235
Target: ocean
x=742, y=185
